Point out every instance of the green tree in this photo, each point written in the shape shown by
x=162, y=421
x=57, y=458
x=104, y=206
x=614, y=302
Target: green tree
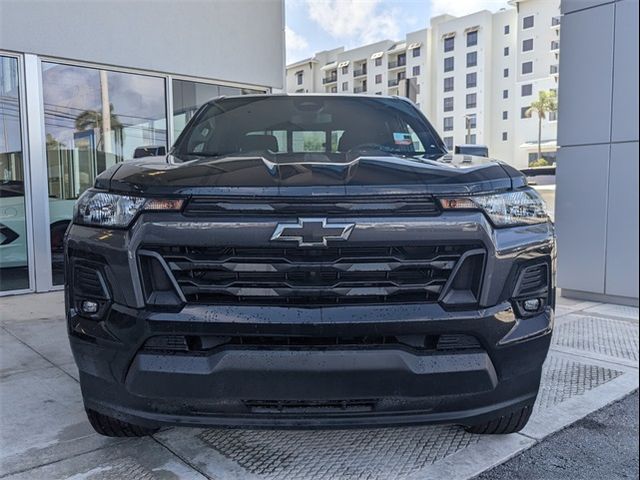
x=92, y=120
x=547, y=102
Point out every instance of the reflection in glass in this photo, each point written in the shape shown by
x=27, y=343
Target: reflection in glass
x=189, y=96
x=93, y=120
x=14, y=268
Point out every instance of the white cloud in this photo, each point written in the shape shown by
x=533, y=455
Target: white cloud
x=297, y=45
x=459, y=8
x=295, y=41
x=360, y=20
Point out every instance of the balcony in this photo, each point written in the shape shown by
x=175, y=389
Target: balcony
x=553, y=69
x=555, y=22
x=397, y=64
x=360, y=89
x=555, y=46
x=330, y=79
x=360, y=72
x=393, y=82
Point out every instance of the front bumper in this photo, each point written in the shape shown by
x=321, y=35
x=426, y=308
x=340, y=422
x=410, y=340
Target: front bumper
x=312, y=387
x=315, y=386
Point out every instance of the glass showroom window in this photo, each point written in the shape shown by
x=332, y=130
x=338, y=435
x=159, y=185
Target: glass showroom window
x=188, y=96
x=14, y=264
x=93, y=119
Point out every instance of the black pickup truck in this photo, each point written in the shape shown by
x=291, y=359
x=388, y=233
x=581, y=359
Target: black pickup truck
x=309, y=261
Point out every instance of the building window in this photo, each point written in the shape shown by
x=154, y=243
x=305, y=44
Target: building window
x=299, y=78
x=448, y=142
x=345, y=70
x=527, y=68
x=527, y=22
x=12, y=163
x=378, y=78
x=449, y=43
x=470, y=139
x=448, y=104
x=115, y=113
x=524, y=112
x=471, y=100
x=448, y=124
x=345, y=86
x=527, y=89
x=472, y=38
x=506, y=51
x=470, y=121
x=448, y=84
x=415, y=71
x=472, y=59
x=416, y=52
x=505, y=73
x=472, y=79
x=378, y=61
x=552, y=116
x=448, y=64
x=507, y=29
x=334, y=89
x=527, y=45
x=505, y=93
x=505, y=136
x=555, y=45
x=505, y=115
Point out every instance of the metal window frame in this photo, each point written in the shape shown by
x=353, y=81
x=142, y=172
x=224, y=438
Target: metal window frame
x=35, y=169
x=26, y=172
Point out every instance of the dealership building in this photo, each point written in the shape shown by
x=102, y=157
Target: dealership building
x=77, y=96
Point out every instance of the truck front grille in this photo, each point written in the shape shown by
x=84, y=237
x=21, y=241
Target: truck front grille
x=311, y=276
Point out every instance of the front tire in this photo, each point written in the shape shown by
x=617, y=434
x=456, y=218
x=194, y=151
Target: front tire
x=509, y=423
x=112, y=427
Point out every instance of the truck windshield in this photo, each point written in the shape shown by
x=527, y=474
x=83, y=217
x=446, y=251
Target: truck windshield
x=290, y=125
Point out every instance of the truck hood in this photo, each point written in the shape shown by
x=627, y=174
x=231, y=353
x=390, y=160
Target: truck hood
x=311, y=174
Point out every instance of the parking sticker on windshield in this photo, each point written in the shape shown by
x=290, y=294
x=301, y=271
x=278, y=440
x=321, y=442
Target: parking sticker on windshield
x=402, y=138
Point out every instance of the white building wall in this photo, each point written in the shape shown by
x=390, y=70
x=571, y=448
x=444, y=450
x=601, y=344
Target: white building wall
x=458, y=28
x=503, y=149
x=542, y=34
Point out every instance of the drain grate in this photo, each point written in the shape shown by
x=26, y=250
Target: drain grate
x=614, y=338
x=326, y=454
x=563, y=378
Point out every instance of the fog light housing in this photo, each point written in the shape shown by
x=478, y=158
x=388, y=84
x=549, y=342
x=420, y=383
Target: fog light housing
x=89, y=306
x=532, y=305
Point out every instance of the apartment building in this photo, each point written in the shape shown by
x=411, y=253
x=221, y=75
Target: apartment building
x=474, y=76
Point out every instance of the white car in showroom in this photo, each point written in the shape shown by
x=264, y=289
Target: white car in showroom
x=13, y=238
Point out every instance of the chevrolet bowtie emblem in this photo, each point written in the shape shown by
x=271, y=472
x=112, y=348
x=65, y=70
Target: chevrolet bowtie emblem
x=312, y=232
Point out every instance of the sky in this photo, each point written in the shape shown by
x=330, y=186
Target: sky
x=315, y=25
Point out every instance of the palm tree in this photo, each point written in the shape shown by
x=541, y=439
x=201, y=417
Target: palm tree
x=546, y=102
x=93, y=120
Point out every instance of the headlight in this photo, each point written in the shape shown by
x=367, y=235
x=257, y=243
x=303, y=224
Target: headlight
x=101, y=209
x=524, y=207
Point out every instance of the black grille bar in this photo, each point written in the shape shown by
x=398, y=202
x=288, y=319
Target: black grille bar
x=299, y=206
x=311, y=276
